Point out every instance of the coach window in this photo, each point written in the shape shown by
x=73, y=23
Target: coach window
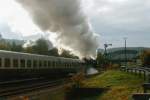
x=40, y=63
x=59, y=64
x=35, y=63
x=56, y=64
x=45, y=63
x=49, y=64
x=15, y=63
x=65, y=65
x=70, y=64
x=22, y=63
x=0, y=62
x=29, y=63
x=76, y=64
x=53, y=64
x=7, y=62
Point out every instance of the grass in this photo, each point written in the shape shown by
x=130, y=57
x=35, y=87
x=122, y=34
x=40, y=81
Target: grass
x=121, y=85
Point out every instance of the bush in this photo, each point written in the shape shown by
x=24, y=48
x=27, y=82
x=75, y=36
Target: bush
x=115, y=66
x=145, y=58
x=77, y=80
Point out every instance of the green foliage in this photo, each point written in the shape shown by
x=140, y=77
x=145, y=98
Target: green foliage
x=40, y=47
x=10, y=46
x=4, y=45
x=17, y=48
x=53, y=52
x=29, y=50
x=77, y=80
x=67, y=54
x=102, y=61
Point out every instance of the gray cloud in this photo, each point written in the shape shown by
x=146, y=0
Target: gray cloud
x=6, y=31
x=115, y=19
x=65, y=18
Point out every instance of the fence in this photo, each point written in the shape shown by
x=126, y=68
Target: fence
x=141, y=71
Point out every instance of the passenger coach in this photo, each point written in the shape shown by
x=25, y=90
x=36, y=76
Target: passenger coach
x=15, y=64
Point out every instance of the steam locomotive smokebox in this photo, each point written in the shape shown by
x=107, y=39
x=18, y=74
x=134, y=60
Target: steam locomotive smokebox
x=76, y=93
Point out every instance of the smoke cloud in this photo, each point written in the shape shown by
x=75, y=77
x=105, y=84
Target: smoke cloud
x=67, y=20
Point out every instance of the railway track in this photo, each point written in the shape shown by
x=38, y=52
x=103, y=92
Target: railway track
x=22, y=86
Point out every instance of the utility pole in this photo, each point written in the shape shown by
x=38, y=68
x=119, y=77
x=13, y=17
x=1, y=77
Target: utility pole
x=105, y=52
x=105, y=47
x=125, y=51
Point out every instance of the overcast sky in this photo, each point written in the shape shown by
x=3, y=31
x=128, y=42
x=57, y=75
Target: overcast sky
x=112, y=19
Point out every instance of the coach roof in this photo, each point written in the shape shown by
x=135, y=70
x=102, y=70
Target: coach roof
x=29, y=54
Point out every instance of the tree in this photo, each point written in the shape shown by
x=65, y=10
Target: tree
x=29, y=49
x=4, y=46
x=67, y=54
x=41, y=47
x=17, y=48
x=145, y=58
x=100, y=59
x=53, y=52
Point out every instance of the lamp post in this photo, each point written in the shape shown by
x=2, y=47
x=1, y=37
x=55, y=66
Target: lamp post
x=125, y=51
